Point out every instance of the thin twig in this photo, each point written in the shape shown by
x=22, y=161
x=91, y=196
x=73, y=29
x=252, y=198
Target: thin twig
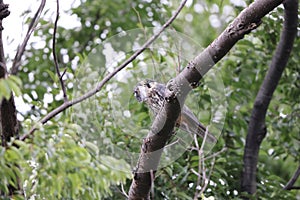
x=209, y=175
x=21, y=49
x=100, y=85
x=200, y=167
x=216, y=154
x=202, y=157
x=63, y=87
x=123, y=191
x=204, y=139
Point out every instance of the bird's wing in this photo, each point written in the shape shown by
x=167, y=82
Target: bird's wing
x=191, y=124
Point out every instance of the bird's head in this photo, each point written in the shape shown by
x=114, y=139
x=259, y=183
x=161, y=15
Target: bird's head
x=148, y=89
x=142, y=90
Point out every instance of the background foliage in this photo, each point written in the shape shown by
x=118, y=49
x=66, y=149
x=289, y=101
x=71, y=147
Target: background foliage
x=62, y=161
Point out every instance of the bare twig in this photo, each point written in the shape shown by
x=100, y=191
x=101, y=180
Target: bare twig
x=209, y=175
x=123, y=191
x=60, y=76
x=216, y=154
x=292, y=181
x=21, y=49
x=201, y=166
x=99, y=86
x=205, y=179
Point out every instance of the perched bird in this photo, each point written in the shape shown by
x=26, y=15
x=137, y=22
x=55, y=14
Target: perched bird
x=153, y=94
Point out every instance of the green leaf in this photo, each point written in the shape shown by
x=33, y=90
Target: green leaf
x=14, y=87
x=4, y=89
x=18, y=197
x=52, y=75
x=12, y=155
x=75, y=182
x=15, y=79
x=91, y=147
x=169, y=171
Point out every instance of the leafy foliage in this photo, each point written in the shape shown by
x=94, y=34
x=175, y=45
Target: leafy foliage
x=56, y=165
x=9, y=85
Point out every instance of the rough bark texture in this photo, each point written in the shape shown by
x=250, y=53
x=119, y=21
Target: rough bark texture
x=178, y=88
x=257, y=128
x=9, y=121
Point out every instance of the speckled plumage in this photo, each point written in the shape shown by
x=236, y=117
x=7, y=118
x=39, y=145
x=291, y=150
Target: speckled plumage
x=152, y=93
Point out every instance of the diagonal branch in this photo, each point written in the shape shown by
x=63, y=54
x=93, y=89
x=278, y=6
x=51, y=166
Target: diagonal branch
x=257, y=127
x=21, y=49
x=292, y=181
x=179, y=87
x=100, y=85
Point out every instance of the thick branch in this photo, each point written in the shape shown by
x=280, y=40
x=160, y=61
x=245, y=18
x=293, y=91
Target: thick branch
x=292, y=181
x=178, y=88
x=8, y=115
x=9, y=123
x=4, y=12
x=257, y=127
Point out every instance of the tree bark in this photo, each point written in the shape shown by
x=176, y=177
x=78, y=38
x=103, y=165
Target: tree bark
x=257, y=128
x=8, y=116
x=179, y=87
x=9, y=123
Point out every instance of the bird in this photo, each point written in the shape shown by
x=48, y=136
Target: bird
x=152, y=93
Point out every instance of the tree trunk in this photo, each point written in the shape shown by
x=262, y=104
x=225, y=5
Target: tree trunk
x=257, y=128
x=8, y=116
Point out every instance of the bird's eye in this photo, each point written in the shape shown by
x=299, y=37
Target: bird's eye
x=148, y=85
x=137, y=95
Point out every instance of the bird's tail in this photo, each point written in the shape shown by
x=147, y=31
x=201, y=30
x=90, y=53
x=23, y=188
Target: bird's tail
x=188, y=122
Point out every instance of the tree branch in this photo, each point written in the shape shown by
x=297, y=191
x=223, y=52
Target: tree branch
x=8, y=116
x=62, y=84
x=21, y=49
x=257, y=127
x=179, y=87
x=292, y=181
x=100, y=85
x=4, y=12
